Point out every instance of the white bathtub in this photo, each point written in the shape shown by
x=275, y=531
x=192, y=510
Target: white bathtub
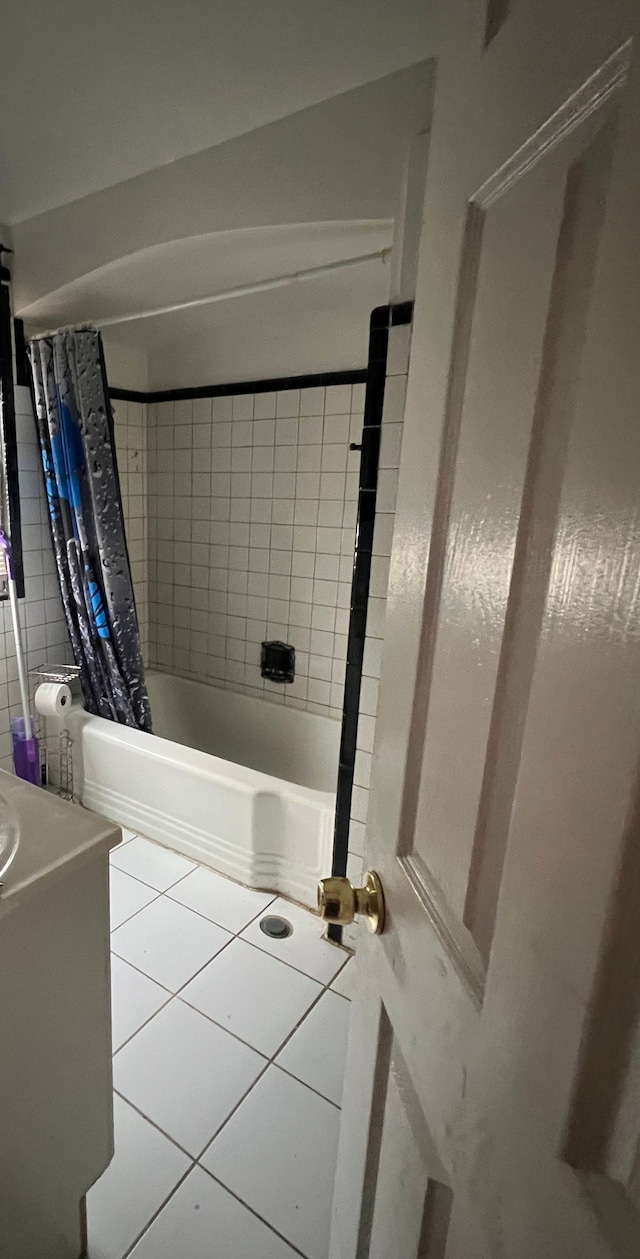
x=266, y=821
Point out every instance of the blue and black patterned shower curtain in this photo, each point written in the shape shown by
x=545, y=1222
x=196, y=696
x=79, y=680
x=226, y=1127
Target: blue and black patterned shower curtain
x=75, y=428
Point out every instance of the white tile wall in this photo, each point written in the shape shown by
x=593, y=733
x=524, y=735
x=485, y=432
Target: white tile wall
x=130, y=427
x=252, y=514
x=44, y=627
x=251, y=503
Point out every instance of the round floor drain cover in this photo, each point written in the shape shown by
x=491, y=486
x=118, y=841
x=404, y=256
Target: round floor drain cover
x=276, y=928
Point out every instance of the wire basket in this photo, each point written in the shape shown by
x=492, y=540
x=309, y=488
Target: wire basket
x=56, y=745
x=56, y=764
x=68, y=673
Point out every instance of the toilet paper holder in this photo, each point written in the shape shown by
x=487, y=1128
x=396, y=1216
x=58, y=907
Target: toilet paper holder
x=56, y=747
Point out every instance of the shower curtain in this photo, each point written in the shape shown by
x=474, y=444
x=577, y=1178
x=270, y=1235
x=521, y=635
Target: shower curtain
x=75, y=429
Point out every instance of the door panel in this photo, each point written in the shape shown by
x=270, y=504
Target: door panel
x=517, y=245
x=505, y=767
x=412, y=1219
x=584, y=196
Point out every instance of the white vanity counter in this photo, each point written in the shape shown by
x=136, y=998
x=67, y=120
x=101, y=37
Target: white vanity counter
x=55, y=1021
x=57, y=836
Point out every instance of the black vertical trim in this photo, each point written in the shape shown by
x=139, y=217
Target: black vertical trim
x=8, y=431
x=382, y=318
x=23, y=376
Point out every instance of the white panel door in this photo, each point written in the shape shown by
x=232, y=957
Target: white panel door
x=492, y=1102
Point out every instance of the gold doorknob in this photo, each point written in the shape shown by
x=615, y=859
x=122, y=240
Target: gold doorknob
x=340, y=902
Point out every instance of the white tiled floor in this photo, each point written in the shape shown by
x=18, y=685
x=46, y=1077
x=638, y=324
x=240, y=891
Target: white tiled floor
x=229, y=1056
x=127, y=896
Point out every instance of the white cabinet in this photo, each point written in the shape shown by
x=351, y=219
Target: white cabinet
x=56, y=1131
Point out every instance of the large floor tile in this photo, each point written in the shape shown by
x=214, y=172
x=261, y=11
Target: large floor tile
x=203, y=1221
x=224, y=902
x=126, y=896
x=252, y=995
x=305, y=949
x=344, y=982
x=185, y=1073
x=317, y=1051
x=153, y=864
x=144, y=1170
x=168, y=942
x=278, y=1153
x=134, y=999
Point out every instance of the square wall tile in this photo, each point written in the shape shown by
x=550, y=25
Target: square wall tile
x=264, y=406
x=288, y=402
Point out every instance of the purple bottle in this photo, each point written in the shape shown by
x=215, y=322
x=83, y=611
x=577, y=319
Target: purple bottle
x=26, y=753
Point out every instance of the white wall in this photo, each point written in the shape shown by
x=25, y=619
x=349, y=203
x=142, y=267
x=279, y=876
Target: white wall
x=127, y=365
x=305, y=328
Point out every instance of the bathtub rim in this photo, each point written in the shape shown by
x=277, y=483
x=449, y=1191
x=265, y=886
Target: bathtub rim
x=290, y=866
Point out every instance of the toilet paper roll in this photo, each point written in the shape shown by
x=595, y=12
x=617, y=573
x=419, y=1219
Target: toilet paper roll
x=52, y=699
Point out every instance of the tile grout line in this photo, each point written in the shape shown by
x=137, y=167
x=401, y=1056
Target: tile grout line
x=176, y=995
x=259, y=947
x=136, y=911
x=151, y=1016
x=292, y=1245
x=326, y=987
x=305, y=1084
x=198, y=865
x=156, y=1213
x=271, y=1061
x=176, y=902
x=268, y=1062
x=219, y=924
x=193, y=1159
x=182, y=986
x=235, y=934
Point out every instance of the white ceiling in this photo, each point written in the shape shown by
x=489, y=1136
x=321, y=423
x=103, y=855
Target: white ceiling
x=93, y=93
